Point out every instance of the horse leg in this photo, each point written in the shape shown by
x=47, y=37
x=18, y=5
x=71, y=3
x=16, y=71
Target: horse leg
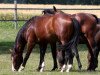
x=92, y=47
x=60, y=57
x=30, y=46
x=77, y=57
x=70, y=62
x=43, y=47
x=67, y=56
x=54, y=55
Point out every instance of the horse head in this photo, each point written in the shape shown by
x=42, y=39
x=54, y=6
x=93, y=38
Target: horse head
x=17, y=59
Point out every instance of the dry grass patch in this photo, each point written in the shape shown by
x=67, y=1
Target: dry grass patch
x=38, y=12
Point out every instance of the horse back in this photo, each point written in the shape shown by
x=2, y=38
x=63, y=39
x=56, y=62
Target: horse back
x=87, y=21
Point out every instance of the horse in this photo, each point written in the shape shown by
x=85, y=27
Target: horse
x=88, y=23
x=42, y=30
x=60, y=59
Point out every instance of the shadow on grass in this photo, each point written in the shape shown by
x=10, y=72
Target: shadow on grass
x=6, y=46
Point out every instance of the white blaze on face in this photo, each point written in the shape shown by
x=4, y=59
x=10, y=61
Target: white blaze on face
x=42, y=67
x=69, y=68
x=13, y=69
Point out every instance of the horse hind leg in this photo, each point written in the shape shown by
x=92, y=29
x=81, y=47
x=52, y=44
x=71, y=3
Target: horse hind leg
x=70, y=62
x=67, y=56
x=77, y=58
x=42, y=47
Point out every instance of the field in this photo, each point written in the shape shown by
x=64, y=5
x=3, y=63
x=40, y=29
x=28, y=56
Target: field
x=7, y=37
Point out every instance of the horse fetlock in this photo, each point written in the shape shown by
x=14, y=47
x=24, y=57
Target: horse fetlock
x=21, y=68
x=69, y=68
x=63, y=68
x=42, y=67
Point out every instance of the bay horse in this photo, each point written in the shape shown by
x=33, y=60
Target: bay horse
x=87, y=23
x=43, y=30
x=59, y=52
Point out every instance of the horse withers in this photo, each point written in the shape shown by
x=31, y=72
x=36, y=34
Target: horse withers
x=43, y=30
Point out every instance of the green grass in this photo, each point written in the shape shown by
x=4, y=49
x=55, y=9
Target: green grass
x=7, y=37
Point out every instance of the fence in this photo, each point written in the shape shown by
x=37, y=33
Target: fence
x=15, y=12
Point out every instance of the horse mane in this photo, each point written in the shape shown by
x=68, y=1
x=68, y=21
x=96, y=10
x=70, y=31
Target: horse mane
x=50, y=11
x=97, y=20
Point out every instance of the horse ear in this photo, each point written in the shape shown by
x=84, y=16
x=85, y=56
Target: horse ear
x=10, y=50
x=54, y=8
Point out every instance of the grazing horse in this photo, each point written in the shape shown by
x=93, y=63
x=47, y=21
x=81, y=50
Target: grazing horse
x=88, y=24
x=60, y=53
x=59, y=27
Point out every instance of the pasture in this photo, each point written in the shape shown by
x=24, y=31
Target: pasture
x=7, y=38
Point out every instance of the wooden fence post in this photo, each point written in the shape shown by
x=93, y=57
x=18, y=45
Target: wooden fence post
x=15, y=15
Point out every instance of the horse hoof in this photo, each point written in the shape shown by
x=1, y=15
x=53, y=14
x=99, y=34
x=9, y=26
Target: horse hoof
x=38, y=69
x=21, y=68
x=80, y=68
x=55, y=68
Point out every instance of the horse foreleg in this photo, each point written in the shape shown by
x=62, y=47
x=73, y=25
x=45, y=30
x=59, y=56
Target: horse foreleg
x=30, y=46
x=54, y=55
x=43, y=47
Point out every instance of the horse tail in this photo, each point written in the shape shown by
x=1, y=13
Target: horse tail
x=97, y=20
x=75, y=37
x=77, y=30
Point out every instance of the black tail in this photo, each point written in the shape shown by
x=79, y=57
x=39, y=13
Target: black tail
x=74, y=40
x=97, y=20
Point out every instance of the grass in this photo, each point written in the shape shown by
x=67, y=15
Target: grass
x=7, y=37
